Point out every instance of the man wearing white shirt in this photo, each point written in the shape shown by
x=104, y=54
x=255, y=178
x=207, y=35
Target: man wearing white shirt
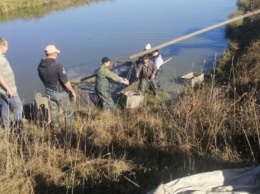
x=158, y=60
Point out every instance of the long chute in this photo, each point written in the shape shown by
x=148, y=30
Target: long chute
x=194, y=34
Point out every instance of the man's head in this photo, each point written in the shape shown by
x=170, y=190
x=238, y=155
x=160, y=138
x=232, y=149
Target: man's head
x=3, y=45
x=155, y=53
x=105, y=61
x=51, y=51
x=145, y=59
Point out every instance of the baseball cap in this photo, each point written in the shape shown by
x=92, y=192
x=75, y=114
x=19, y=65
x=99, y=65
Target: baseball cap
x=148, y=46
x=51, y=49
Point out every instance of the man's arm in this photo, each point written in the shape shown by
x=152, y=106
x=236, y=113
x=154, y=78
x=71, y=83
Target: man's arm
x=70, y=88
x=64, y=79
x=109, y=74
x=3, y=83
x=138, y=70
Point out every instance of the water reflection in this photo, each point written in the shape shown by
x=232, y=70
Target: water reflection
x=38, y=12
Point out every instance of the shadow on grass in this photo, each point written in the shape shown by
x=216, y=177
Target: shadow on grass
x=153, y=167
x=45, y=187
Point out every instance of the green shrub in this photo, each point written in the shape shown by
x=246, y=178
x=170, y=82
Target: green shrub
x=244, y=5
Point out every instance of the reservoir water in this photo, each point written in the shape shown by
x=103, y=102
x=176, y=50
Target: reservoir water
x=117, y=29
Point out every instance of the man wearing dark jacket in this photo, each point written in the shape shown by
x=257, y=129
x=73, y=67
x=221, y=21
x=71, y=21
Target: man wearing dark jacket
x=146, y=71
x=57, y=86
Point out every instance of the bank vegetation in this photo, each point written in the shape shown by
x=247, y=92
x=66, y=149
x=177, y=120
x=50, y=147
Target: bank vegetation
x=25, y=8
x=215, y=126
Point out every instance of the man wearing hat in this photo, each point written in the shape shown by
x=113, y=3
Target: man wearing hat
x=57, y=86
x=146, y=71
x=147, y=47
x=104, y=75
x=158, y=60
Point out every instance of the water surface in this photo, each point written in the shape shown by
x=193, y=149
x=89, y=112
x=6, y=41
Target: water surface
x=115, y=28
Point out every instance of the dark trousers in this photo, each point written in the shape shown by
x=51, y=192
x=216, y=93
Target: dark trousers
x=60, y=99
x=145, y=81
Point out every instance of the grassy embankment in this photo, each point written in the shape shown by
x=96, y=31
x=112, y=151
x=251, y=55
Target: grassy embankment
x=27, y=9
x=213, y=127
x=14, y=5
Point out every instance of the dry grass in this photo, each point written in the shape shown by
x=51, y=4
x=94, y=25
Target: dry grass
x=57, y=158
x=215, y=126
x=104, y=146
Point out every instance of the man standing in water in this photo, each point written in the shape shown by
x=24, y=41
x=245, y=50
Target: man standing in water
x=8, y=89
x=57, y=87
x=102, y=84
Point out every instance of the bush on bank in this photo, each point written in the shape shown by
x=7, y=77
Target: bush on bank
x=11, y=6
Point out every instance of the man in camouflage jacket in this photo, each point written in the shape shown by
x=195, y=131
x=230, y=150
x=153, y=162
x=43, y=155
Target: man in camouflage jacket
x=104, y=75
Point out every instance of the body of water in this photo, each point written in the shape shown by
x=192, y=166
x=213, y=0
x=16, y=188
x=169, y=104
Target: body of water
x=116, y=29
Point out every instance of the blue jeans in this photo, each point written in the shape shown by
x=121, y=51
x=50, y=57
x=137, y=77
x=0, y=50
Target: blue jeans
x=60, y=99
x=17, y=106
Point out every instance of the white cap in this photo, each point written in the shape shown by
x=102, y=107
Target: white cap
x=51, y=49
x=147, y=47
